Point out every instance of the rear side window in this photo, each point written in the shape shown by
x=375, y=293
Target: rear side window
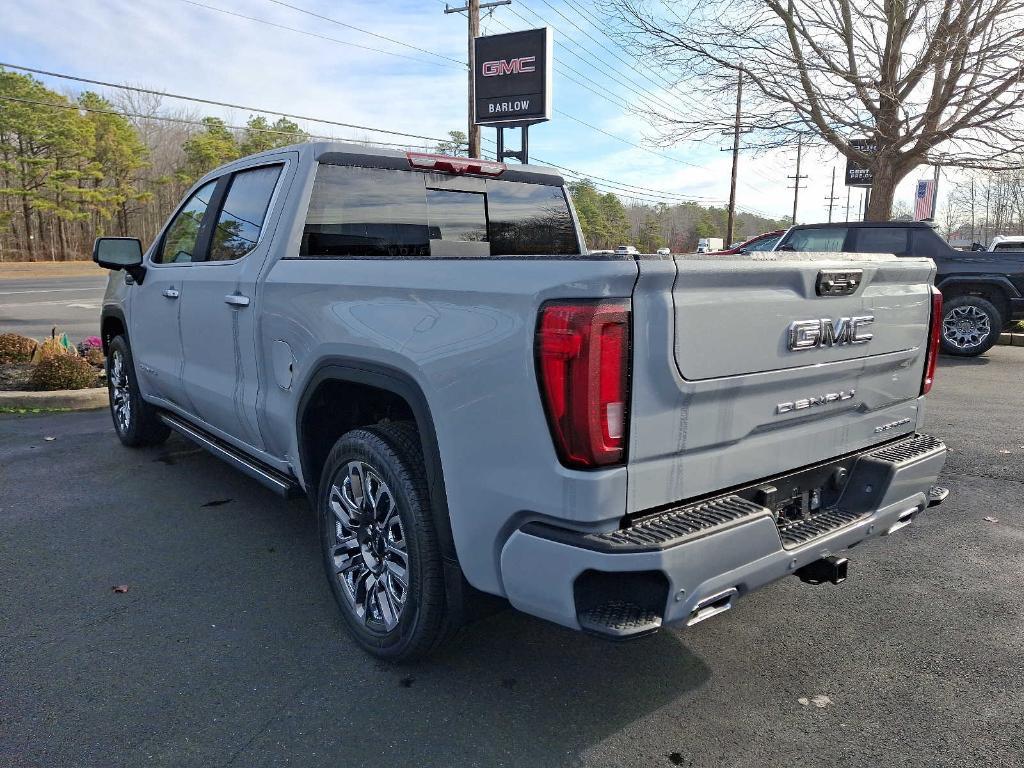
x=825, y=239
x=366, y=212
x=372, y=212
x=242, y=215
x=529, y=219
x=883, y=240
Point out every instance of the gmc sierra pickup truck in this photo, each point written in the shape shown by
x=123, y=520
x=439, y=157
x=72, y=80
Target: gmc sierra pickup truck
x=982, y=290
x=473, y=405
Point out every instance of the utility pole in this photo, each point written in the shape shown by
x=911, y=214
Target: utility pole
x=847, y=203
x=796, y=179
x=831, y=195
x=735, y=159
x=472, y=11
x=935, y=191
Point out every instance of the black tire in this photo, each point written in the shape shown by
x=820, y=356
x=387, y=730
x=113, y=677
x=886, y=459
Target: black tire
x=135, y=421
x=362, y=551
x=970, y=326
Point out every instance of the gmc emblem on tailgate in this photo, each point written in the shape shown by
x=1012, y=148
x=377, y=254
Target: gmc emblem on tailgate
x=812, y=334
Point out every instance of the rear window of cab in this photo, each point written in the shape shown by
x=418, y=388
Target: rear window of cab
x=357, y=212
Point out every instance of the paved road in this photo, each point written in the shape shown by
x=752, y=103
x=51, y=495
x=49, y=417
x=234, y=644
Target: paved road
x=227, y=650
x=33, y=306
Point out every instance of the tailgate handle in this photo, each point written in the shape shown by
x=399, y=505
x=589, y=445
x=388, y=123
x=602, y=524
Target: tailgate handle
x=839, y=282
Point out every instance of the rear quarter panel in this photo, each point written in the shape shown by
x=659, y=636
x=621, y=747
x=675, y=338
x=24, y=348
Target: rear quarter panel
x=463, y=330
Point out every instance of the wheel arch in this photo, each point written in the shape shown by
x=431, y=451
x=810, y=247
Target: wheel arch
x=997, y=290
x=392, y=386
x=112, y=323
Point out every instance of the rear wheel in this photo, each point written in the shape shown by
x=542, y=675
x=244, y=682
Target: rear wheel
x=379, y=544
x=135, y=421
x=970, y=326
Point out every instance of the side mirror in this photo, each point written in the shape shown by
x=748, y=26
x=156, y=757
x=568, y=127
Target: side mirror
x=120, y=253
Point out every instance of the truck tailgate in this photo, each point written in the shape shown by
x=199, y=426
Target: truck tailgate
x=721, y=397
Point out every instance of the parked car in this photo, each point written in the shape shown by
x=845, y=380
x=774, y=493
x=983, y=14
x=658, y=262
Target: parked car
x=421, y=346
x=763, y=242
x=664, y=252
x=626, y=250
x=983, y=291
x=1007, y=243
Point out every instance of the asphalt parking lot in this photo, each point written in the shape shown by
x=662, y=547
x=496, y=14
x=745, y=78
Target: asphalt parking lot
x=227, y=649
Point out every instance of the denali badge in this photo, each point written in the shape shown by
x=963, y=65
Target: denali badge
x=891, y=425
x=811, y=334
x=810, y=402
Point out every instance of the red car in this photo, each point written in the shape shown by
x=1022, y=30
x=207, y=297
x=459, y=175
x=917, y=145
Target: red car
x=765, y=242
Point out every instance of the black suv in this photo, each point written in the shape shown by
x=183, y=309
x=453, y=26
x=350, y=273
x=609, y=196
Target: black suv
x=982, y=291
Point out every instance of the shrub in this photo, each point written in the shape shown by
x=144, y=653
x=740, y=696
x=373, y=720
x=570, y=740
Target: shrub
x=91, y=342
x=94, y=356
x=63, y=372
x=55, y=346
x=15, y=348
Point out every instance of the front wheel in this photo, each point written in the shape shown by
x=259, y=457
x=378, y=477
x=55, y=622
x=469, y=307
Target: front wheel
x=970, y=326
x=135, y=421
x=379, y=544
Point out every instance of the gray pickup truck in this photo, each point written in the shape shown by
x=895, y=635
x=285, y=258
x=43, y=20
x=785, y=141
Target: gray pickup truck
x=475, y=406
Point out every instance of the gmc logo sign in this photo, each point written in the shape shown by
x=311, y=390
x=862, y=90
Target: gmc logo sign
x=509, y=66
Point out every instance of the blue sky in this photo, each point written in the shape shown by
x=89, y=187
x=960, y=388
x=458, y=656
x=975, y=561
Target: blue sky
x=181, y=47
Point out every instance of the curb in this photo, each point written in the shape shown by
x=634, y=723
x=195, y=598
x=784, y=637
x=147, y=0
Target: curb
x=1011, y=339
x=63, y=399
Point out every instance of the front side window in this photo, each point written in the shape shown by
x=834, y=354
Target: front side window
x=243, y=213
x=823, y=240
x=182, y=235
x=883, y=240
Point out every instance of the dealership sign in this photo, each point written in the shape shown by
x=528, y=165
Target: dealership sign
x=512, y=78
x=858, y=175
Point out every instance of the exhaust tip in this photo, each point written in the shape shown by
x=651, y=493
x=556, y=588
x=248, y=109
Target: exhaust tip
x=831, y=569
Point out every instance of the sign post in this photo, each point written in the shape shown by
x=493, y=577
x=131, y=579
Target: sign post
x=512, y=84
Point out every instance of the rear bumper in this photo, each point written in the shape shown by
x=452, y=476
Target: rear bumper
x=688, y=563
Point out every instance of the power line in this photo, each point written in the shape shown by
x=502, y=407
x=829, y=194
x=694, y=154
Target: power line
x=216, y=103
x=651, y=98
x=323, y=37
x=364, y=31
x=186, y=121
x=631, y=84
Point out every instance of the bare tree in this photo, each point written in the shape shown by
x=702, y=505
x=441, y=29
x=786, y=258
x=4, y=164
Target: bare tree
x=931, y=81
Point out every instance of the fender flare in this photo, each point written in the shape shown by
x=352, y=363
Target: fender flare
x=998, y=281
x=117, y=313
x=402, y=384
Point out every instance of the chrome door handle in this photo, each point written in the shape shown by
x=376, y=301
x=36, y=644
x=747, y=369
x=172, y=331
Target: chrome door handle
x=237, y=300
x=171, y=293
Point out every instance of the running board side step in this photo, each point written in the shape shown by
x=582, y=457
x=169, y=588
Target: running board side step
x=276, y=481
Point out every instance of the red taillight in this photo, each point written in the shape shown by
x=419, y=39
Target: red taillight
x=934, y=330
x=583, y=366
x=455, y=164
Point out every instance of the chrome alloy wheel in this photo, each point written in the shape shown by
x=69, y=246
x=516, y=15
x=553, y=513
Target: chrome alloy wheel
x=369, y=553
x=965, y=327
x=120, y=394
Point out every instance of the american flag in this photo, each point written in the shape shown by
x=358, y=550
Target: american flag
x=923, y=199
